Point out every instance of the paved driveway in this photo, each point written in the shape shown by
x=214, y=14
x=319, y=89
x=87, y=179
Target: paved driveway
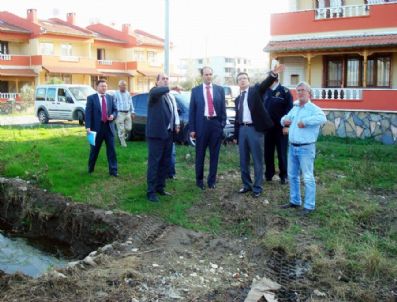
x=6, y=120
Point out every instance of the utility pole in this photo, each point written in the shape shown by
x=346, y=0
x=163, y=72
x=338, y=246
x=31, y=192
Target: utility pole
x=167, y=38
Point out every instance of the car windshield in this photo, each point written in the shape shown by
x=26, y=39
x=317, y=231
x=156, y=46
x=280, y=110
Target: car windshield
x=81, y=92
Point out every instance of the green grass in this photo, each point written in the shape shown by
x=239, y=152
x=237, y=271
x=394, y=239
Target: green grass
x=353, y=230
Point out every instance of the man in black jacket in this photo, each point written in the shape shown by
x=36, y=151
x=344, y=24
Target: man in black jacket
x=161, y=123
x=278, y=102
x=252, y=120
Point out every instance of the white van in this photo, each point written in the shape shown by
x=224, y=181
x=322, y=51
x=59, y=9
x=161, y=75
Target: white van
x=61, y=102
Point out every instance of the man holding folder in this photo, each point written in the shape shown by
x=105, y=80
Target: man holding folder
x=100, y=114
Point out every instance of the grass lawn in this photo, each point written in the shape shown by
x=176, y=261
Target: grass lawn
x=352, y=235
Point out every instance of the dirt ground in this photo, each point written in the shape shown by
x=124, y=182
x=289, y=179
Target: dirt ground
x=142, y=258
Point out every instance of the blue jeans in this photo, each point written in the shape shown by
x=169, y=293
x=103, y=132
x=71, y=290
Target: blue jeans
x=301, y=160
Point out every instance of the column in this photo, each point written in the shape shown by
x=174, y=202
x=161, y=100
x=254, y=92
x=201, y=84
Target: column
x=309, y=68
x=365, y=66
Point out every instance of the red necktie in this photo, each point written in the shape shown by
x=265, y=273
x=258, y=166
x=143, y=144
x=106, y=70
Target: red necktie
x=210, y=101
x=104, y=114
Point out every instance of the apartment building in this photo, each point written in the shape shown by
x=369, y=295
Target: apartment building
x=347, y=51
x=34, y=51
x=225, y=68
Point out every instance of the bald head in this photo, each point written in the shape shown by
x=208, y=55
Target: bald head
x=162, y=79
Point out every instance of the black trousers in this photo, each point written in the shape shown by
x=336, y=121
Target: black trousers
x=274, y=138
x=159, y=158
x=210, y=138
x=104, y=134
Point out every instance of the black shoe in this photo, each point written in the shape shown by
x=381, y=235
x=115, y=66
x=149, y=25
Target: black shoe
x=306, y=212
x=269, y=178
x=164, y=193
x=290, y=205
x=114, y=174
x=244, y=190
x=256, y=194
x=283, y=181
x=152, y=197
x=211, y=186
x=200, y=186
x=172, y=177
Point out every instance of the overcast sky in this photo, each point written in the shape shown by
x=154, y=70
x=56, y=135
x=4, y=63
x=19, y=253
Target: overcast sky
x=197, y=28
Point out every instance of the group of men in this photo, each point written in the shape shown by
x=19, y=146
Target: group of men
x=265, y=117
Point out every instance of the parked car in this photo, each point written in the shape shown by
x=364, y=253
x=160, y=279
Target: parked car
x=61, y=102
x=140, y=102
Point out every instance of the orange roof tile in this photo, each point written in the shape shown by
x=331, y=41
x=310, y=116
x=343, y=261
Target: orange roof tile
x=57, y=26
x=18, y=72
x=332, y=43
x=6, y=27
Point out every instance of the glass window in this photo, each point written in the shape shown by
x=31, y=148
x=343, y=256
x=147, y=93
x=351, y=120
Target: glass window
x=334, y=74
x=66, y=50
x=3, y=47
x=152, y=58
x=139, y=55
x=51, y=93
x=371, y=73
x=40, y=94
x=294, y=79
x=81, y=93
x=46, y=48
x=353, y=73
x=383, y=72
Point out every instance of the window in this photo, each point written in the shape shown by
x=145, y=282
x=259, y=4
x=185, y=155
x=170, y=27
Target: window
x=40, y=94
x=100, y=54
x=229, y=60
x=4, y=47
x=294, y=79
x=347, y=71
x=228, y=69
x=46, y=48
x=51, y=93
x=353, y=74
x=139, y=55
x=152, y=58
x=66, y=50
x=378, y=71
x=334, y=72
x=200, y=61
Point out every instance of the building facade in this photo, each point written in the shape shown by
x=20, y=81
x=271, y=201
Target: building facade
x=34, y=51
x=347, y=51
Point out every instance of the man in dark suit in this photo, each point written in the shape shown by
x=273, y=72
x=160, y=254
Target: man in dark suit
x=278, y=102
x=207, y=118
x=251, y=122
x=162, y=117
x=100, y=113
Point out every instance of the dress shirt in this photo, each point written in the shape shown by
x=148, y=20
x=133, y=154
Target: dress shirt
x=124, y=101
x=100, y=100
x=311, y=116
x=247, y=113
x=205, y=99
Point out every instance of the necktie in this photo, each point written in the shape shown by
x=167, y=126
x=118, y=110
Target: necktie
x=241, y=105
x=210, y=101
x=104, y=112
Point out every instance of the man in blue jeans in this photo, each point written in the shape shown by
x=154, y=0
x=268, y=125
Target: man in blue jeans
x=304, y=121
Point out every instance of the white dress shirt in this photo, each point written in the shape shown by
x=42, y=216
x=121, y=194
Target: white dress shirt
x=205, y=98
x=247, y=113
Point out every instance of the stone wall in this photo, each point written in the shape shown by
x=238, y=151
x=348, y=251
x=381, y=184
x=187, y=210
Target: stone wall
x=378, y=125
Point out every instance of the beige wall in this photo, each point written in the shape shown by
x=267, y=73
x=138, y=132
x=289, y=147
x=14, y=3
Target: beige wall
x=304, y=4
x=317, y=71
x=354, y=2
x=18, y=48
x=81, y=79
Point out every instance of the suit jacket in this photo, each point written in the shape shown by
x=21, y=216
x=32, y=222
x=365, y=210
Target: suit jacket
x=93, y=112
x=197, y=108
x=260, y=117
x=159, y=113
x=278, y=102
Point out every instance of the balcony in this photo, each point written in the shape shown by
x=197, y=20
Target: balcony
x=343, y=18
x=337, y=93
x=14, y=60
x=9, y=96
x=342, y=11
x=116, y=65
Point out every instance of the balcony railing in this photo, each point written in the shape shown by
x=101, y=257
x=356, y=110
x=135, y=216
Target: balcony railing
x=381, y=1
x=337, y=93
x=8, y=95
x=5, y=57
x=342, y=11
x=105, y=62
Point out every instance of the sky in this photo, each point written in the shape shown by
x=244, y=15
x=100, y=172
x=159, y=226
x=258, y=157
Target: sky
x=197, y=28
